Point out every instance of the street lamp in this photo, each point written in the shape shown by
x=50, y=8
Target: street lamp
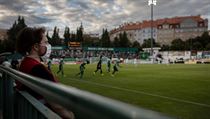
x=151, y=3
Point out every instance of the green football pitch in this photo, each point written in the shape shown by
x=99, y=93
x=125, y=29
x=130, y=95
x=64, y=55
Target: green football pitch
x=179, y=90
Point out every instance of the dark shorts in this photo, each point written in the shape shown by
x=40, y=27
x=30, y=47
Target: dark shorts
x=115, y=69
x=98, y=67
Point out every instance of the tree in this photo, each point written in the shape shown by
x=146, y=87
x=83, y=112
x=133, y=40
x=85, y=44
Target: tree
x=7, y=46
x=198, y=43
x=73, y=37
x=197, y=46
x=1, y=46
x=165, y=47
x=12, y=34
x=79, y=35
x=189, y=43
x=48, y=37
x=66, y=36
x=208, y=46
x=116, y=42
x=124, y=41
x=177, y=44
x=55, y=40
x=147, y=43
x=205, y=39
x=136, y=45
x=90, y=41
x=105, y=39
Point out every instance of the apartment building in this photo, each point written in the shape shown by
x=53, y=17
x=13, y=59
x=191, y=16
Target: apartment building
x=180, y=27
x=164, y=30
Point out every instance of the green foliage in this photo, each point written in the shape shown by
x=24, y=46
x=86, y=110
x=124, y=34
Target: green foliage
x=1, y=46
x=16, y=27
x=79, y=35
x=124, y=41
x=90, y=41
x=189, y=43
x=165, y=47
x=208, y=46
x=197, y=43
x=8, y=44
x=177, y=44
x=197, y=46
x=147, y=43
x=105, y=39
x=66, y=36
x=136, y=44
x=48, y=37
x=116, y=42
x=55, y=40
x=73, y=37
x=205, y=39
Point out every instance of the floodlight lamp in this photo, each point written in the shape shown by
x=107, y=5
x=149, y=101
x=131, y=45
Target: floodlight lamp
x=150, y=2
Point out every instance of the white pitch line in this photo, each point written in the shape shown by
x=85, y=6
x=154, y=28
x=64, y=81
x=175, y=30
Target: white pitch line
x=145, y=93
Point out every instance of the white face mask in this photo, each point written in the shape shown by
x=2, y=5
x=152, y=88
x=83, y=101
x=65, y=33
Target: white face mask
x=48, y=51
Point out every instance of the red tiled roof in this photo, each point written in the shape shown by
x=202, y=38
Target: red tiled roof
x=145, y=23
x=132, y=26
x=177, y=20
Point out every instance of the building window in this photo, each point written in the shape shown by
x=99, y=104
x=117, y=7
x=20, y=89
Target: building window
x=200, y=24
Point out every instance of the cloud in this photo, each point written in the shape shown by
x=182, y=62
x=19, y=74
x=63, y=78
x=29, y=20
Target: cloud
x=94, y=14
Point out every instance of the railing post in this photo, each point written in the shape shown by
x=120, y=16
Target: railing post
x=1, y=91
x=8, y=94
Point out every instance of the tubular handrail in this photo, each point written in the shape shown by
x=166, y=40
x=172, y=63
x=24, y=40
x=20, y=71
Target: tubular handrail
x=84, y=104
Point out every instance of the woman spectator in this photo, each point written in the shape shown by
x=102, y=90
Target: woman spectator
x=33, y=44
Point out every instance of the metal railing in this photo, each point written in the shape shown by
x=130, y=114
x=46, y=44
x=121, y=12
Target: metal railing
x=84, y=105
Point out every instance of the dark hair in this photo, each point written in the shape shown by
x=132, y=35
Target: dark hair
x=27, y=37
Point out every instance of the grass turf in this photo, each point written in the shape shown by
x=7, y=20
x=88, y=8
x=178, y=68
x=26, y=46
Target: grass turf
x=179, y=90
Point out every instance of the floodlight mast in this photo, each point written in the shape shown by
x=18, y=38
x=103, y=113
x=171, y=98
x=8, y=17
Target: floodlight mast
x=151, y=3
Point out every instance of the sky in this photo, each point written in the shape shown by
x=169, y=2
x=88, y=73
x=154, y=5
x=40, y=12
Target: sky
x=95, y=14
